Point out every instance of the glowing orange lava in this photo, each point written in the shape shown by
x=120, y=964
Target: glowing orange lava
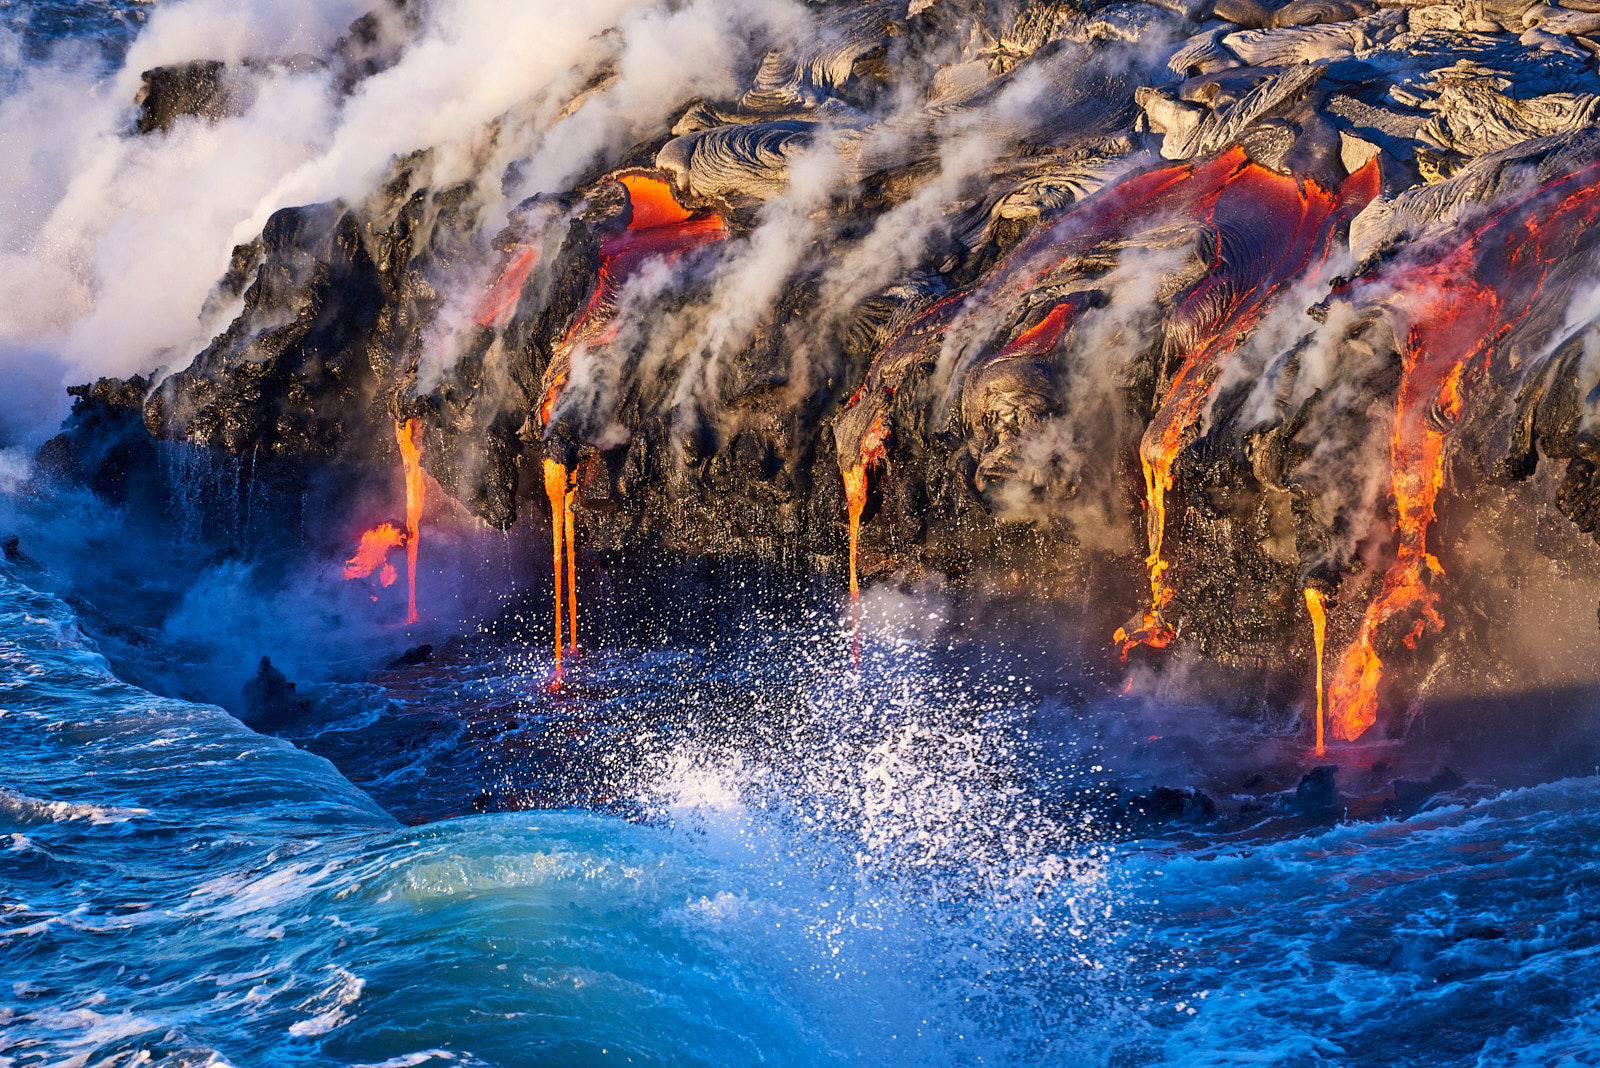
x=855, y=493
x=651, y=203
x=501, y=300
x=660, y=229
x=1452, y=312
x=555, y=487
x=411, y=457
x=1269, y=229
x=1319, y=633
x=373, y=554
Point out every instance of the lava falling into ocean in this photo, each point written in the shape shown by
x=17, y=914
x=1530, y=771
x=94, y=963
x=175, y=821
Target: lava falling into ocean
x=1454, y=310
x=411, y=458
x=1268, y=230
x=1319, y=635
x=372, y=552
x=856, y=481
x=555, y=487
x=658, y=229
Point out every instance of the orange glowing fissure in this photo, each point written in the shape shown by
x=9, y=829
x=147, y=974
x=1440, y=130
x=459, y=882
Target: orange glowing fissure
x=1455, y=311
x=1319, y=634
x=1239, y=200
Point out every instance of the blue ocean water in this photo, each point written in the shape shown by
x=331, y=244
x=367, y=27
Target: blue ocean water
x=872, y=877
x=177, y=889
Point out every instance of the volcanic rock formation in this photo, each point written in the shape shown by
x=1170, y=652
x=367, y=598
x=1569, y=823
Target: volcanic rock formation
x=1016, y=288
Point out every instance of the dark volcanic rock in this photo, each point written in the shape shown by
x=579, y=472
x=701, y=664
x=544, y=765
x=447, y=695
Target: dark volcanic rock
x=104, y=446
x=1317, y=792
x=200, y=89
x=270, y=697
x=1059, y=261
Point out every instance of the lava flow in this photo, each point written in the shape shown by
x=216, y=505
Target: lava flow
x=501, y=300
x=1453, y=311
x=1267, y=229
x=411, y=457
x=855, y=492
x=658, y=228
x=373, y=554
x=1319, y=633
x=558, y=488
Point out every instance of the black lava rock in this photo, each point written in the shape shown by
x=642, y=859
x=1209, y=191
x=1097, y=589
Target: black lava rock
x=1317, y=791
x=270, y=696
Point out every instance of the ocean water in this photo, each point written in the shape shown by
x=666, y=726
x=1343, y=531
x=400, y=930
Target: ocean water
x=729, y=853
x=177, y=889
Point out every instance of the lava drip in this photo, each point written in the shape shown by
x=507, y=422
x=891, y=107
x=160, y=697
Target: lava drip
x=557, y=487
x=1453, y=312
x=411, y=458
x=1319, y=634
x=855, y=492
x=1266, y=230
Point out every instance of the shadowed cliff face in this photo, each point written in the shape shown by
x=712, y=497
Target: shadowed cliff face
x=1019, y=289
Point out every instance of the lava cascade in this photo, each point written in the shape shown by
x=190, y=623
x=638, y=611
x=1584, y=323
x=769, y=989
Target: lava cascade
x=1319, y=634
x=557, y=488
x=501, y=299
x=372, y=554
x=658, y=229
x=411, y=458
x=1453, y=311
x=1267, y=230
x=855, y=491
x=1100, y=217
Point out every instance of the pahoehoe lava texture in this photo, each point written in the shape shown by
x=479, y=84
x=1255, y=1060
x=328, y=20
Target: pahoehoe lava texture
x=1093, y=348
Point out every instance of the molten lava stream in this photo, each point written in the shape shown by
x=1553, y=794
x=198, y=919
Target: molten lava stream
x=855, y=491
x=372, y=554
x=1268, y=230
x=1319, y=633
x=501, y=300
x=1452, y=314
x=555, y=487
x=411, y=458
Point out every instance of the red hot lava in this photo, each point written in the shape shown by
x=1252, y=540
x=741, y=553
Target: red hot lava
x=1452, y=312
x=373, y=551
x=501, y=300
x=411, y=458
x=659, y=229
x=373, y=554
x=855, y=491
x=1267, y=230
